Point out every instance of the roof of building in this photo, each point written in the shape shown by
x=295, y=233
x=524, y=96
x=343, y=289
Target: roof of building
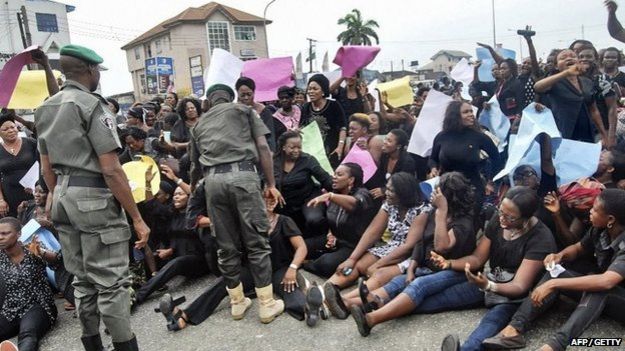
x=452, y=53
x=196, y=15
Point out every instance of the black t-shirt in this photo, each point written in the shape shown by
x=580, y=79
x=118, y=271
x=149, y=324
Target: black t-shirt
x=331, y=119
x=608, y=254
x=535, y=245
x=463, y=231
x=348, y=227
x=350, y=106
x=281, y=249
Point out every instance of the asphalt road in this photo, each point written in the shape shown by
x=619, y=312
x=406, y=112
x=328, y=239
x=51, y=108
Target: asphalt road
x=220, y=332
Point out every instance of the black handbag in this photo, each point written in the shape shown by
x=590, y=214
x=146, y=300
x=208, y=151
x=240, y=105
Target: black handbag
x=498, y=275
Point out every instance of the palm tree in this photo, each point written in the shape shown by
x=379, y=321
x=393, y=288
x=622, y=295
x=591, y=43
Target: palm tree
x=358, y=32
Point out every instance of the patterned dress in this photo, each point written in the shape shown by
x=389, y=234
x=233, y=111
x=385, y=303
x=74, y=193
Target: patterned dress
x=26, y=286
x=398, y=227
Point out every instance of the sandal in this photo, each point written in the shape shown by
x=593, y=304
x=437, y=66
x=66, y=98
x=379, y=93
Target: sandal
x=368, y=306
x=166, y=307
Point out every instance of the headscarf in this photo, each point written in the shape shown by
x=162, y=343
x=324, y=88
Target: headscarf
x=323, y=82
x=581, y=194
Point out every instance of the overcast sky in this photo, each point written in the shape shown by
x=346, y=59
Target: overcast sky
x=409, y=30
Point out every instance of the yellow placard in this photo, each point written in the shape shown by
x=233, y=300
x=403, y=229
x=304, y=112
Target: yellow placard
x=31, y=90
x=135, y=171
x=398, y=91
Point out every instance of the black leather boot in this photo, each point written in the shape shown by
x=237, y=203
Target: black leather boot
x=130, y=345
x=92, y=343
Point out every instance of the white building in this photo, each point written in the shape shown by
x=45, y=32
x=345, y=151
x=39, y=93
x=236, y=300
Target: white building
x=47, y=23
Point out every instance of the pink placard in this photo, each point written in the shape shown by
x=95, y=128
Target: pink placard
x=351, y=58
x=364, y=160
x=269, y=75
x=11, y=72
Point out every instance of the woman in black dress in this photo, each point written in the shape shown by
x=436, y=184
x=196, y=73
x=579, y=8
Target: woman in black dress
x=458, y=148
x=572, y=98
x=294, y=172
x=17, y=155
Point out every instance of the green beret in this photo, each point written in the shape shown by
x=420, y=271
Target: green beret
x=81, y=53
x=213, y=88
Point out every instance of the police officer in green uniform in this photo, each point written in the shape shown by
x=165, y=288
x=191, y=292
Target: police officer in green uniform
x=225, y=146
x=78, y=143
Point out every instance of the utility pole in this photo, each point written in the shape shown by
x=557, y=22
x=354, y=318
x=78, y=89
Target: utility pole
x=19, y=24
x=310, y=52
x=583, y=32
x=29, y=40
x=494, y=35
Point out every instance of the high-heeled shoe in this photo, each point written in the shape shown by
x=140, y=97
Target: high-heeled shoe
x=166, y=306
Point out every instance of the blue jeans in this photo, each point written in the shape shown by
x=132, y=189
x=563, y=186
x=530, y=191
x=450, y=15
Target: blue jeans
x=424, y=286
x=467, y=295
x=495, y=319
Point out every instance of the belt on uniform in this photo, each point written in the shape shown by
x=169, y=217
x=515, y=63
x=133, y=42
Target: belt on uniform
x=243, y=166
x=87, y=182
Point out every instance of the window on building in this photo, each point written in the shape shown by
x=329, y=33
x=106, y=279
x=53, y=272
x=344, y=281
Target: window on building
x=46, y=22
x=148, y=50
x=137, y=53
x=158, y=46
x=218, y=35
x=142, y=83
x=244, y=33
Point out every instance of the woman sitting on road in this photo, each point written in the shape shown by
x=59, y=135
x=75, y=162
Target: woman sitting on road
x=515, y=243
x=447, y=231
x=288, y=251
x=601, y=291
x=403, y=214
x=27, y=307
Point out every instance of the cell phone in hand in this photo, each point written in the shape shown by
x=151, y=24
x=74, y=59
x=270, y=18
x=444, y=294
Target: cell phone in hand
x=347, y=271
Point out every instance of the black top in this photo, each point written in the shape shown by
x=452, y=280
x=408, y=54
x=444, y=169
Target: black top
x=348, y=227
x=570, y=108
x=12, y=170
x=297, y=186
x=609, y=254
x=266, y=115
x=511, y=97
x=331, y=119
x=175, y=233
x=534, y=245
x=463, y=231
x=25, y=285
x=281, y=249
x=350, y=106
x=180, y=132
x=405, y=163
x=460, y=151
